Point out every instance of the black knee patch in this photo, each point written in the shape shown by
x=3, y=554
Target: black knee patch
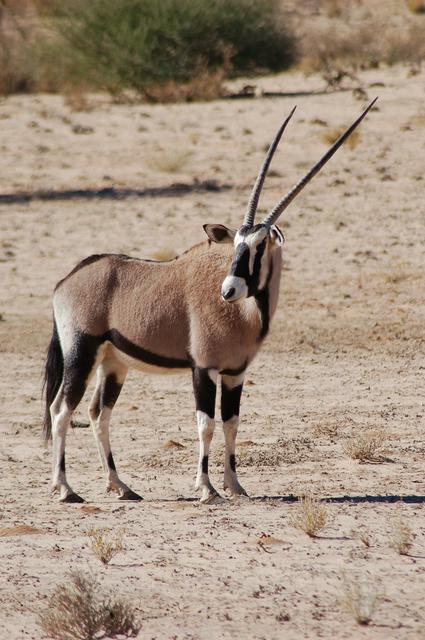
x=110, y=391
x=205, y=464
x=232, y=461
x=230, y=401
x=204, y=389
x=77, y=367
x=111, y=463
x=62, y=463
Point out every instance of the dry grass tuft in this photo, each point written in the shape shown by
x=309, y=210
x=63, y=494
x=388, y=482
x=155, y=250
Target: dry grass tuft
x=77, y=100
x=398, y=274
x=402, y=537
x=164, y=254
x=360, y=599
x=79, y=610
x=331, y=135
x=364, y=537
x=366, y=447
x=416, y=6
x=311, y=517
x=104, y=544
x=325, y=429
x=169, y=161
x=338, y=50
x=204, y=87
x=173, y=444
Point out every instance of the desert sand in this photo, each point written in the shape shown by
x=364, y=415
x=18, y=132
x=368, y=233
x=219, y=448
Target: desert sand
x=345, y=356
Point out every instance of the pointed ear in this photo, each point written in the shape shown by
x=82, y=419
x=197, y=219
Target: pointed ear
x=219, y=233
x=277, y=235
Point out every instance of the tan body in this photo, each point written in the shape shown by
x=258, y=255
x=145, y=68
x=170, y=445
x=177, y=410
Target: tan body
x=172, y=309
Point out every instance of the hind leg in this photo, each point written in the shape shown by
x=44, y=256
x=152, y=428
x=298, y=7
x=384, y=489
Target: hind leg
x=110, y=378
x=79, y=365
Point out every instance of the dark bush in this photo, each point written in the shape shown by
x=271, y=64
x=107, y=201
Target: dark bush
x=140, y=44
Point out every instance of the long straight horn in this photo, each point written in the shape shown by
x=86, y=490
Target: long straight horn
x=256, y=191
x=286, y=200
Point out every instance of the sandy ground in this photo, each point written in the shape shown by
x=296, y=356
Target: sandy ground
x=345, y=356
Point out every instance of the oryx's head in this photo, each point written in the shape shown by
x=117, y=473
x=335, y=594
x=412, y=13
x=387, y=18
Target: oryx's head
x=254, y=243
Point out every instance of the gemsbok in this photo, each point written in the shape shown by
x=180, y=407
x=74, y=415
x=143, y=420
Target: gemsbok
x=207, y=311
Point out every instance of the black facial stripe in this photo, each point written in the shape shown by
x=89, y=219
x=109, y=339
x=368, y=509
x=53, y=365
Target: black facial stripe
x=232, y=462
x=110, y=391
x=230, y=401
x=205, y=464
x=263, y=304
x=62, y=463
x=111, y=463
x=255, y=276
x=240, y=264
x=204, y=390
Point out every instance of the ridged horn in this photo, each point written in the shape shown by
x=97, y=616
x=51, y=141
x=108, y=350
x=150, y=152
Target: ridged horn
x=274, y=214
x=256, y=191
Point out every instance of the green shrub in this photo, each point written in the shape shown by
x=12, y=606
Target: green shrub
x=140, y=44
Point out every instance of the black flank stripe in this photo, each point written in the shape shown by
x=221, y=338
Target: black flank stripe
x=134, y=351
x=230, y=402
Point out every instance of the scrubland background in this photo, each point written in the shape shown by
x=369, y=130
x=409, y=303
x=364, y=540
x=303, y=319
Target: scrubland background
x=94, y=160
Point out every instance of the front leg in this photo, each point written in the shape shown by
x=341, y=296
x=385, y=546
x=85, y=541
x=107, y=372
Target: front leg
x=231, y=390
x=204, y=387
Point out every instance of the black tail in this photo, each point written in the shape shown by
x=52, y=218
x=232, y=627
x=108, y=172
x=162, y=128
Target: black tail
x=53, y=375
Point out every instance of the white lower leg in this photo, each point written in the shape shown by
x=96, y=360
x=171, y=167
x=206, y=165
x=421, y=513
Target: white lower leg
x=230, y=428
x=205, y=431
x=61, y=418
x=101, y=434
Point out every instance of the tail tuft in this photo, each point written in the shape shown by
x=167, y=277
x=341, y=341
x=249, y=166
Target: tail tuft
x=53, y=375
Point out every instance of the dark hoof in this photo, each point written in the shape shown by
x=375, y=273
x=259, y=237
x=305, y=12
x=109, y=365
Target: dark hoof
x=130, y=495
x=73, y=497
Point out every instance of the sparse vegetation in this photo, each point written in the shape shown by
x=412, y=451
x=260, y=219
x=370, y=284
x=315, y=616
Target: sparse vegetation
x=149, y=46
x=327, y=430
x=184, y=50
x=79, y=610
x=169, y=162
x=338, y=53
x=105, y=544
x=402, y=537
x=311, y=516
x=360, y=599
x=366, y=447
x=364, y=537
